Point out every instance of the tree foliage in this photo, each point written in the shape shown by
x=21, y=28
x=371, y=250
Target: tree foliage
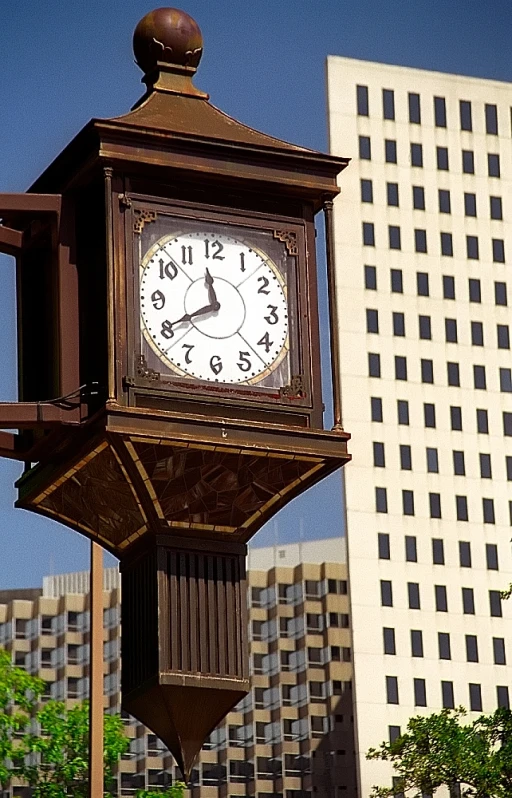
x=441, y=750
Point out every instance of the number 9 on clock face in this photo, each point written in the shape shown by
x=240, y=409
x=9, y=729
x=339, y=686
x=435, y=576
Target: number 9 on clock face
x=213, y=308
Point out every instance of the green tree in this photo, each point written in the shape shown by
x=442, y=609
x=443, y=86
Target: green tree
x=441, y=750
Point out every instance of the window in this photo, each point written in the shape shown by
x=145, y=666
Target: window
x=447, y=695
x=418, y=198
x=389, y=640
x=468, y=162
x=464, y=554
x=376, y=408
x=408, y=502
x=425, y=328
x=496, y=208
x=370, y=278
x=459, y=467
x=394, y=237
x=447, y=245
x=422, y=281
x=432, y=461
x=442, y=158
x=416, y=643
x=373, y=364
x=466, y=122
x=461, y=503
x=390, y=150
x=498, y=250
x=475, y=294
x=491, y=556
x=368, y=234
x=366, y=191
x=388, y=103
x=413, y=592
x=392, y=194
x=416, y=155
x=488, y=511
x=500, y=293
x=397, y=285
x=456, y=418
x=429, y=415
x=394, y=733
x=440, y=111
x=399, y=324
x=392, y=689
x=479, y=379
x=386, y=593
x=468, y=601
x=437, y=551
x=485, y=466
x=470, y=204
x=372, y=321
x=405, y=457
x=477, y=333
x=482, y=422
x=493, y=165
x=381, y=500
x=441, y=598
x=400, y=368
x=472, y=247
x=414, y=108
x=365, y=148
x=420, y=693
x=443, y=642
x=503, y=336
x=444, y=201
x=453, y=374
x=498, y=646
x=362, y=100
x=450, y=330
x=502, y=697
x=475, y=697
x=435, y=505
x=427, y=371
x=384, y=548
x=506, y=380
x=411, y=554
x=403, y=411
x=379, y=460
x=448, y=286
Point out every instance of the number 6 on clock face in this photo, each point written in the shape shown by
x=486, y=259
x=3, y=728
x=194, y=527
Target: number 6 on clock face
x=213, y=308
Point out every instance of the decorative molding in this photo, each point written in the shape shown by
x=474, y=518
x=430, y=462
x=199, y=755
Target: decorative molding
x=124, y=201
x=289, y=239
x=145, y=372
x=144, y=216
x=296, y=388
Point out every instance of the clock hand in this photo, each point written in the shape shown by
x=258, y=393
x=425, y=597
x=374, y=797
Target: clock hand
x=212, y=296
x=200, y=312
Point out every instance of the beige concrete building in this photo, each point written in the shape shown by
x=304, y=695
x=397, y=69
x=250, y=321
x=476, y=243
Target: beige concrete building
x=423, y=233
x=292, y=736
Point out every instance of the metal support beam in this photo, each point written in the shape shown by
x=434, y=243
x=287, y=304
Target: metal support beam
x=96, y=674
x=333, y=315
x=30, y=203
x=11, y=240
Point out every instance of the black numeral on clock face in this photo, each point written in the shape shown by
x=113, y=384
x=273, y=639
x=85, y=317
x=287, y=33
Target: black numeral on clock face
x=186, y=255
x=242, y=261
x=244, y=364
x=158, y=300
x=272, y=318
x=169, y=269
x=167, y=331
x=189, y=348
x=212, y=249
x=264, y=283
x=216, y=364
x=266, y=342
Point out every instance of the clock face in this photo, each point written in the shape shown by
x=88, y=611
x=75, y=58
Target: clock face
x=213, y=307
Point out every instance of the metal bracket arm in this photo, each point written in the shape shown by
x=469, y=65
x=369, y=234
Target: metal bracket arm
x=36, y=415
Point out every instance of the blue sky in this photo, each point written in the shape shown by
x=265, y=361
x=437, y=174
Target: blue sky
x=65, y=61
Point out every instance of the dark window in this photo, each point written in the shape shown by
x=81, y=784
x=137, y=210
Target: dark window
x=441, y=598
x=448, y=286
x=472, y=247
x=471, y=648
x=464, y=554
x=414, y=108
x=493, y=165
x=450, y=330
x=482, y=422
x=402, y=406
x=397, y=284
x=447, y=244
x=503, y=335
x=485, y=466
x=390, y=150
x=420, y=240
x=444, y=201
x=443, y=641
x=400, y=367
x=462, y=508
x=465, y=115
x=508, y=463
x=368, y=234
x=386, y=593
x=384, y=548
x=405, y=457
x=440, y=111
x=388, y=103
x=372, y=320
x=370, y=278
x=447, y=694
x=379, y=460
x=373, y=364
x=411, y=551
x=408, y=502
x=422, y=282
x=416, y=643
x=502, y=697
x=425, y=327
x=506, y=380
x=496, y=208
x=459, y=466
x=427, y=371
x=468, y=162
x=435, y=505
x=420, y=693
x=376, y=406
x=366, y=191
x=488, y=511
x=442, y=158
x=453, y=374
x=498, y=646
x=365, y=148
x=470, y=204
x=398, y=324
x=391, y=689
x=429, y=414
x=498, y=250
x=381, y=500
x=468, y=601
x=495, y=603
x=477, y=333
x=479, y=378
x=416, y=155
x=362, y=100
x=413, y=592
x=491, y=556
x=437, y=551
x=418, y=198
x=500, y=293
x=394, y=733
x=456, y=418
x=475, y=697
x=389, y=640
x=491, y=119
x=392, y=193
x=394, y=237
x=432, y=461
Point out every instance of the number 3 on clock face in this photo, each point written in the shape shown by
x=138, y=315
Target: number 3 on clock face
x=213, y=307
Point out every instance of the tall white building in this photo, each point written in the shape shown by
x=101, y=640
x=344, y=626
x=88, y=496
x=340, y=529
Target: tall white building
x=423, y=232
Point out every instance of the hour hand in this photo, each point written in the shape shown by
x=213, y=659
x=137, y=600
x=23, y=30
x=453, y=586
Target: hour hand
x=212, y=296
x=200, y=312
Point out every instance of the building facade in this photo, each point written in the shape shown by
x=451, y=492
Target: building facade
x=291, y=736
x=423, y=231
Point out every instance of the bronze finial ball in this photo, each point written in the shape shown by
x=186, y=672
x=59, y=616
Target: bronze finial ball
x=168, y=35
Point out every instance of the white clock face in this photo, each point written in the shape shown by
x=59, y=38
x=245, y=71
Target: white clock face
x=213, y=307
